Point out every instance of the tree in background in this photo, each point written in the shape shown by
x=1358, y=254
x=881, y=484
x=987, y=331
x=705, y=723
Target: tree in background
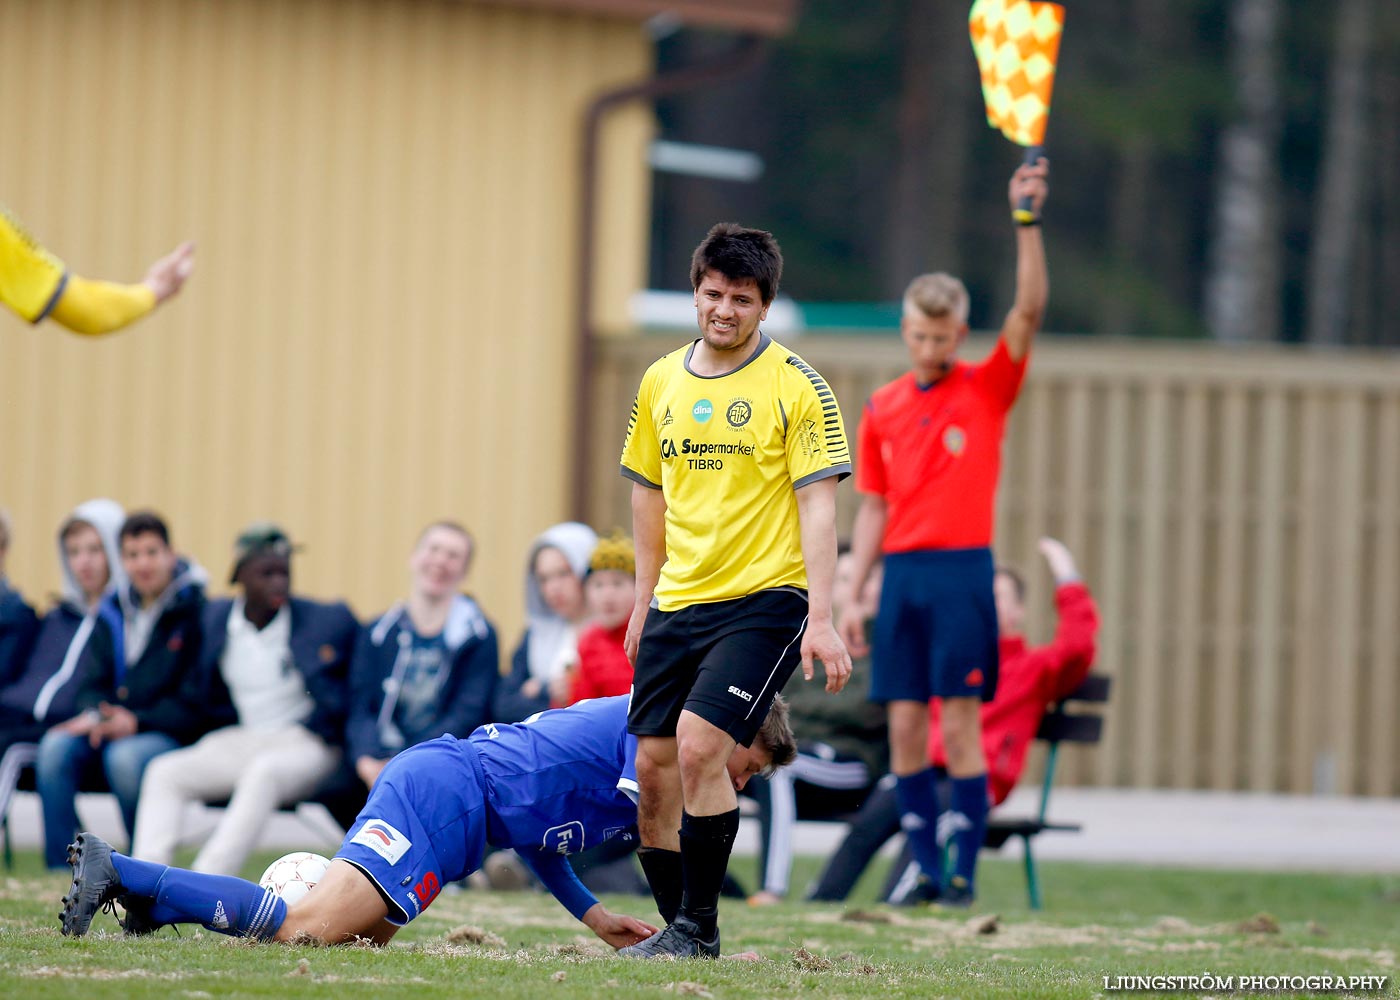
x=1209, y=185
x=1242, y=284
x=1343, y=183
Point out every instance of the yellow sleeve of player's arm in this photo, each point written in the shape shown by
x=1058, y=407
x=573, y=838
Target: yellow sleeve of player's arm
x=97, y=307
x=816, y=435
x=31, y=278
x=641, y=451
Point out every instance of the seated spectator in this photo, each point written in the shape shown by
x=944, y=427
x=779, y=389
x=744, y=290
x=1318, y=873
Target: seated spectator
x=18, y=624
x=277, y=667
x=136, y=698
x=44, y=690
x=429, y=665
x=1030, y=680
x=610, y=591
x=555, y=611
x=842, y=749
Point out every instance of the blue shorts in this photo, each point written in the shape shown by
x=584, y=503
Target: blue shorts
x=423, y=826
x=936, y=629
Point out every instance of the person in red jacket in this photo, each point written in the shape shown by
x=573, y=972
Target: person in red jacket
x=609, y=589
x=1030, y=679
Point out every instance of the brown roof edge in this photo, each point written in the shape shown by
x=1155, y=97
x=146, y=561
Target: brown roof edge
x=765, y=17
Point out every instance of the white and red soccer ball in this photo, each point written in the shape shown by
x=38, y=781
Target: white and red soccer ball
x=292, y=875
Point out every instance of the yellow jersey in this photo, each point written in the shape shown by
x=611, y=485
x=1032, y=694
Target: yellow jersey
x=31, y=278
x=728, y=452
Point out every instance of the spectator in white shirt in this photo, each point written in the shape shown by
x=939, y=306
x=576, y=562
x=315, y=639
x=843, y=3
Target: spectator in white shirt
x=276, y=667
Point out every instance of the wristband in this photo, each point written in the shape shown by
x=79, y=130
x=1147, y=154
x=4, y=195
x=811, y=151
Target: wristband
x=1025, y=220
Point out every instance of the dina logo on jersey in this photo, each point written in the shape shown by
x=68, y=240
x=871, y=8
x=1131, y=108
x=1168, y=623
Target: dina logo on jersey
x=702, y=411
x=739, y=412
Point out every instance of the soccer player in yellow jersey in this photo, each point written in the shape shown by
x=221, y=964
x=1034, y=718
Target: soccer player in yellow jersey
x=35, y=284
x=734, y=448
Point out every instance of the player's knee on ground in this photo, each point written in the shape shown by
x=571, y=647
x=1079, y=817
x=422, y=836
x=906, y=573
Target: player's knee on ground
x=343, y=906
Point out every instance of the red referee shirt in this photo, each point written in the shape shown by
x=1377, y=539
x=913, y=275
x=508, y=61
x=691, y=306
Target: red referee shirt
x=934, y=453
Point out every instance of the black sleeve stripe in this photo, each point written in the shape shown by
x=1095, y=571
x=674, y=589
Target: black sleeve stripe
x=836, y=446
x=637, y=477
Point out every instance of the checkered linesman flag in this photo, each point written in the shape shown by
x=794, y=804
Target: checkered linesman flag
x=1017, y=43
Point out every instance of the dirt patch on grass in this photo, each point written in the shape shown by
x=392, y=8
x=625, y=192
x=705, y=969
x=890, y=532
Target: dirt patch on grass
x=470, y=934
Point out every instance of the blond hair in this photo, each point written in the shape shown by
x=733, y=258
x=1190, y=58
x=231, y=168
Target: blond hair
x=937, y=295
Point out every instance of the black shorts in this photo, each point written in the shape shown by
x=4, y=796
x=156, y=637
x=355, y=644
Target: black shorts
x=723, y=661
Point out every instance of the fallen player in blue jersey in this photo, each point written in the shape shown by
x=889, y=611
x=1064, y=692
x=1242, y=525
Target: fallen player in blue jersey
x=554, y=785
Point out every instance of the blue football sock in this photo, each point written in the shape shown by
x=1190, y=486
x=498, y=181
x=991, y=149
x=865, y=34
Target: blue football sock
x=917, y=798
x=968, y=800
x=221, y=903
x=139, y=877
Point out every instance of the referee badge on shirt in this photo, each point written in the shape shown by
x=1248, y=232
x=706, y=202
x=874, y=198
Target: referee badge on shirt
x=954, y=439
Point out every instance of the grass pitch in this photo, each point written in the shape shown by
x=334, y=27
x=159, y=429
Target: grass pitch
x=1100, y=921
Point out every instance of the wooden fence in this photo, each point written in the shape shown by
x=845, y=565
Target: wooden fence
x=1237, y=515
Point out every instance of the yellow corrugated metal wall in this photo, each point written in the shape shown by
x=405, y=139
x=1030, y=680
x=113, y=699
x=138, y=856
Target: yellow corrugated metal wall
x=379, y=330
x=1237, y=515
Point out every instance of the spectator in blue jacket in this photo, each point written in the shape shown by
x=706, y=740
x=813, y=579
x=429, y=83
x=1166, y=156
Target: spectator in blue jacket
x=277, y=670
x=427, y=666
x=136, y=698
x=556, y=610
x=18, y=624
x=43, y=690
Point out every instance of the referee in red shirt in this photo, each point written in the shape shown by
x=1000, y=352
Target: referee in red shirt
x=927, y=466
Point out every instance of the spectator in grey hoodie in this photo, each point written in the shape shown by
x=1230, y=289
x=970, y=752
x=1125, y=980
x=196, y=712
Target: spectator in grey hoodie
x=555, y=604
x=140, y=694
x=43, y=690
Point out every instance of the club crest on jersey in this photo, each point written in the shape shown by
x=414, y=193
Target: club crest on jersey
x=382, y=839
x=954, y=440
x=739, y=412
x=702, y=411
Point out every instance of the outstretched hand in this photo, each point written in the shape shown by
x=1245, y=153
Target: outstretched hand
x=1031, y=180
x=617, y=929
x=167, y=275
x=820, y=642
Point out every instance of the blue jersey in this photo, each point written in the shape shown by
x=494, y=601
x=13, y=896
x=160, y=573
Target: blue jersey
x=562, y=781
x=559, y=783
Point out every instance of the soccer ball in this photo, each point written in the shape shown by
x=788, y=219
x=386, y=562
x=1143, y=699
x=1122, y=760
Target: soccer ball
x=292, y=875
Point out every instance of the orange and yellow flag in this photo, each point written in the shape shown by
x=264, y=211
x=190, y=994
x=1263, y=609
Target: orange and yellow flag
x=1017, y=43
